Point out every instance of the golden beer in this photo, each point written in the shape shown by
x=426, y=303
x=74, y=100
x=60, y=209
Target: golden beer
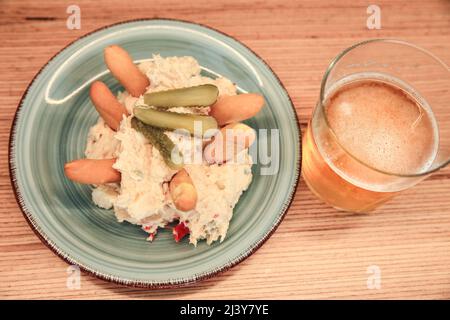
x=370, y=139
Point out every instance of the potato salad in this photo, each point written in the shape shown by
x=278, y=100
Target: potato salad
x=170, y=151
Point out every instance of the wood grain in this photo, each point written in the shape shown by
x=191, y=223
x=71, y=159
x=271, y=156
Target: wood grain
x=316, y=252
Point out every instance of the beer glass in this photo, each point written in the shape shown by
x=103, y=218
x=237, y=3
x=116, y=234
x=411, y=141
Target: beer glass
x=380, y=126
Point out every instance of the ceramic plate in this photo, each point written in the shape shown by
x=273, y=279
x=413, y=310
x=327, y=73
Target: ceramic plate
x=51, y=127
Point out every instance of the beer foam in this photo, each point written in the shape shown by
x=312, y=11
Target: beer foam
x=383, y=126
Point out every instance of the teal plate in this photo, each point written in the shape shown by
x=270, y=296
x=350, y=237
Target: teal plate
x=44, y=136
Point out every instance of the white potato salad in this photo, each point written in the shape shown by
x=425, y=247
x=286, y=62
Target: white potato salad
x=171, y=150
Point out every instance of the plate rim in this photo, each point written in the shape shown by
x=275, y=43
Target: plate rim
x=132, y=282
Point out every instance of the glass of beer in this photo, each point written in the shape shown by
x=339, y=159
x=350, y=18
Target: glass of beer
x=381, y=124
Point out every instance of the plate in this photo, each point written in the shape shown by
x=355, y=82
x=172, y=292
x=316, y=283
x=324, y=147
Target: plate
x=51, y=126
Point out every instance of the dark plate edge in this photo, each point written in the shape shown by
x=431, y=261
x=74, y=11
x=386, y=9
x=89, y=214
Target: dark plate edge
x=133, y=283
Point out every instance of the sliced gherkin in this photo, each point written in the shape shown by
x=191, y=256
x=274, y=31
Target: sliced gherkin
x=195, y=124
x=199, y=96
x=160, y=141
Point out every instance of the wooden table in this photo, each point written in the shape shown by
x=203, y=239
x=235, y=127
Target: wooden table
x=317, y=252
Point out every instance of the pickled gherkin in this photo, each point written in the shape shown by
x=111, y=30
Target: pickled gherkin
x=160, y=141
x=173, y=121
x=198, y=96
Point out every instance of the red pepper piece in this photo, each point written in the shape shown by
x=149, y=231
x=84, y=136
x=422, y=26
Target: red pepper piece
x=179, y=231
x=151, y=236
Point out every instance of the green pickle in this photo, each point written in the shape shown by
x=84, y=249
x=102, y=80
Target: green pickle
x=160, y=141
x=199, y=96
x=173, y=121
